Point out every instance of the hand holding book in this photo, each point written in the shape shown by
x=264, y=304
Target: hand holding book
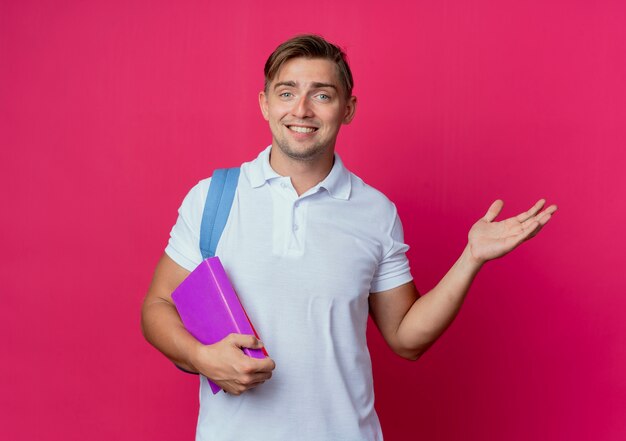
x=213, y=314
x=229, y=368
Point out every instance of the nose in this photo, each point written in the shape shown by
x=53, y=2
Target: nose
x=302, y=108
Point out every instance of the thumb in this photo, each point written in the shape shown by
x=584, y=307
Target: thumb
x=246, y=341
x=494, y=210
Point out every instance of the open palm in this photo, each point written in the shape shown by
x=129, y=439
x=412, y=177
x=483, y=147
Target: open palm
x=489, y=240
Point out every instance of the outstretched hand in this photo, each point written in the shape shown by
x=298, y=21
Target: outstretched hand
x=489, y=240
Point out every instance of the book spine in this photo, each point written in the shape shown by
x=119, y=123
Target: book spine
x=222, y=285
x=237, y=312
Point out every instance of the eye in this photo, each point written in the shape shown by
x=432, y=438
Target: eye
x=324, y=97
x=285, y=94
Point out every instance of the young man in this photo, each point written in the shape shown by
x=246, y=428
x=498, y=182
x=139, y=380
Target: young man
x=311, y=251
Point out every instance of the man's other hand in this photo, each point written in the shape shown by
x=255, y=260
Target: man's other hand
x=489, y=240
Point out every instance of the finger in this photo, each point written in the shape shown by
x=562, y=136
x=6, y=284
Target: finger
x=243, y=388
x=261, y=376
x=257, y=365
x=247, y=380
x=264, y=365
x=245, y=341
x=542, y=217
x=543, y=220
x=525, y=233
x=527, y=215
x=551, y=209
x=494, y=210
x=258, y=383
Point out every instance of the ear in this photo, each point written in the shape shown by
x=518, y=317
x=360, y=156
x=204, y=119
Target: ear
x=350, y=110
x=263, y=105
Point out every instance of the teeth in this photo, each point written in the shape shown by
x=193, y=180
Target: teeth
x=302, y=129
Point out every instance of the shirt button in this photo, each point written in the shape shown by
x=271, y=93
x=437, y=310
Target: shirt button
x=282, y=184
x=295, y=228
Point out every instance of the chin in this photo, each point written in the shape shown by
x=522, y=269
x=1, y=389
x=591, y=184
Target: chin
x=302, y=153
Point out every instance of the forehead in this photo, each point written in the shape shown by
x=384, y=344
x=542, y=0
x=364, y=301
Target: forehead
x=308, y=70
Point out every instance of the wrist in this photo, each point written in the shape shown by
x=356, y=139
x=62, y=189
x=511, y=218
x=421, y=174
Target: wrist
x=195, y=356
x=472, y=263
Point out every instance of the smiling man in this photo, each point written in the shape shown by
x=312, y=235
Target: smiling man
x=305, y=106
x=312, y=251
x=305, y=102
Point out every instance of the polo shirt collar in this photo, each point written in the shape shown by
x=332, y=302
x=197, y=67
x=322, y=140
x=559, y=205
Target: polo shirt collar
x=260, y=170
x=337, y=183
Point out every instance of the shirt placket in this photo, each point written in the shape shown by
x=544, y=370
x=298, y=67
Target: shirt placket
x=290, y=219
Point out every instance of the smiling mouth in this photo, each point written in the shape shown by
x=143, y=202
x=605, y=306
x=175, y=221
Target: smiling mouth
x=300, y=129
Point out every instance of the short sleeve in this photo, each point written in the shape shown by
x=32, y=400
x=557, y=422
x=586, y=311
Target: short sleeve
x=393, y=270
x=184, y=244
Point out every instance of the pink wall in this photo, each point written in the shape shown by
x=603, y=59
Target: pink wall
x=110, y=111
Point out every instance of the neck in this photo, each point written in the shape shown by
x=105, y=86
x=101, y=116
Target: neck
x=304, y=174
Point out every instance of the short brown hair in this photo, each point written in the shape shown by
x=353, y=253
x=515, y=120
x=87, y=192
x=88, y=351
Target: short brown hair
x=309, y=46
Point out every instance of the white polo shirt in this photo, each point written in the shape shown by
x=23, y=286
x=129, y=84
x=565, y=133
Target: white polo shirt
x=303, y=268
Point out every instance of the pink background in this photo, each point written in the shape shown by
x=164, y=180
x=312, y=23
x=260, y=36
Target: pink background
x=110, y=111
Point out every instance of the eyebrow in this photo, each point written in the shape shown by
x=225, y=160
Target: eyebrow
x=322, y=85
x=285, y=83
x=315, y=85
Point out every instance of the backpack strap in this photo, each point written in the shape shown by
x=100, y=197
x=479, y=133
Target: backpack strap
x=217, y=208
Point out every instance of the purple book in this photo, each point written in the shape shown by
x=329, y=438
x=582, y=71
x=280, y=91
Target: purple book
x=210, y=308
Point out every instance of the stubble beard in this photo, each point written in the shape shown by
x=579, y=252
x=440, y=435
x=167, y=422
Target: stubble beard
x=305, y=155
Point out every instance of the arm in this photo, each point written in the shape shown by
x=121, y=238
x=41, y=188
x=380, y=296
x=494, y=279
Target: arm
x=411, y=324
x=222, y=362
